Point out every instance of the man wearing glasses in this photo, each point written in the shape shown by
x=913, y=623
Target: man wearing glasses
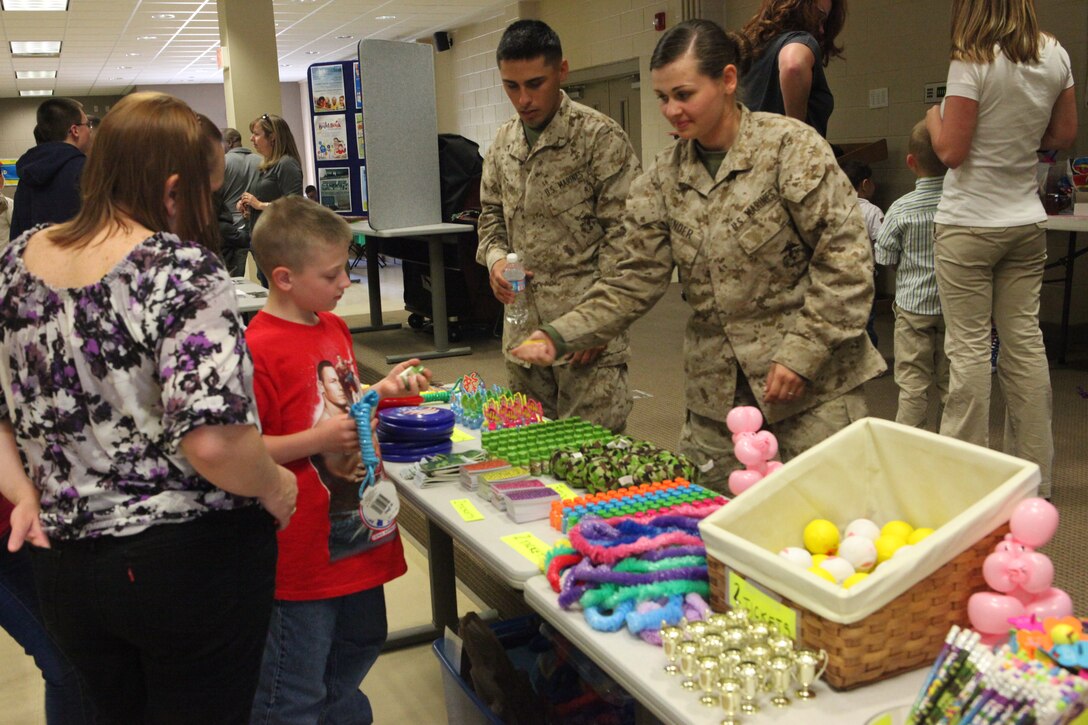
x=49, y=173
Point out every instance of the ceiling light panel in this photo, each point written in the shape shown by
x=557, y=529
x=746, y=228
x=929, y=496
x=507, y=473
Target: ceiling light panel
x=23, y=75
x=35, y=48
x=34, y=5
x=36, y=93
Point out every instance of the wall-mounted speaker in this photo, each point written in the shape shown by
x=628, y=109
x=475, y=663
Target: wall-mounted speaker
x=443, y=40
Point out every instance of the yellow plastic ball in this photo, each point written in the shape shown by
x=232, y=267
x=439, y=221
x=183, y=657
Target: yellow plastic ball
x=822, y=573
x=886, y=546
x=1063, y=634
x=897, y=528
x=851, y=581
x=821, y=537
x=817, y=558
x=918, y=534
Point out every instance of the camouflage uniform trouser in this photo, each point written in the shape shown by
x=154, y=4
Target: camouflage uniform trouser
x=703, y=439
x=595, y=393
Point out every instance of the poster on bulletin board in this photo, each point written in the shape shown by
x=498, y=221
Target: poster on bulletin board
x=339, y=156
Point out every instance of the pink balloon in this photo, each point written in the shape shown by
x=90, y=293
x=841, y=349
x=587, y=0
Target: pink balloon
x=768, y=443
x=1052, y=603
x=773, y=466
x=1034, y=521
x=1038, y=572
x=997, y=569
x=749, y=451
x=744, y=419
x=989, y=613
x=741, y=481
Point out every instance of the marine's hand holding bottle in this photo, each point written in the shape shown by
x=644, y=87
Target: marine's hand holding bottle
x=500, y=286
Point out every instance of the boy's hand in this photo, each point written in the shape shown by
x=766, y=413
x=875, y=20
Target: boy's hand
x=396, y=385
x=280, y=501
x=338, y=434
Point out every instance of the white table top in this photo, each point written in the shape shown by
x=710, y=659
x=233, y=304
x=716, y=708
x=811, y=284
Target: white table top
x=1067, y=223
x=251, y=296
x=419, y=231
x=483, y=538
x=637, y=667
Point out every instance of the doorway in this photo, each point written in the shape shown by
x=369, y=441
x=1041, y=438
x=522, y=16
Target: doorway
x=613, y=94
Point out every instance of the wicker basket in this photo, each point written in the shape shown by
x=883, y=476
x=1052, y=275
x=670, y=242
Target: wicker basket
x=901, y=636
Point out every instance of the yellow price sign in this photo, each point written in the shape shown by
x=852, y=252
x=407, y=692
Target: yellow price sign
x=563, y=490
x=528, y=545
x=466, y=510
x=760, y=605
x=460, y=436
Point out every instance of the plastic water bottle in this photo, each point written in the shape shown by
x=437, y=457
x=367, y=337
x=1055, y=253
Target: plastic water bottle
x=517, y=312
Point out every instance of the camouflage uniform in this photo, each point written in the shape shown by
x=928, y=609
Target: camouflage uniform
x=560, y=207
x=777, y=267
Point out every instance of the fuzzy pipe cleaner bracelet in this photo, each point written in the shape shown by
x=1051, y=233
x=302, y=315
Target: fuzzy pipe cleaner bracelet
x=650, y=617
x=608, y=596
x=586, y=572
x=640, y=565
x=557, y=565
x=667, y=553
x=611, y=554
x=609, y=622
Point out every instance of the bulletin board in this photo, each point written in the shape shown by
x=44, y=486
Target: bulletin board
x=339, y=152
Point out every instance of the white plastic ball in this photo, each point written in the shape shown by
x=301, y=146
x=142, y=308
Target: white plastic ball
x=862, y=527
x=797, y=555
x=901, y=549
x=839, y=568
x=859, y=551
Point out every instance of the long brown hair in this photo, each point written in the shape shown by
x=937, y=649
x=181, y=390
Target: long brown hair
x=978, y=26
x=144, y=140
x=283, y=142
x=780, y=16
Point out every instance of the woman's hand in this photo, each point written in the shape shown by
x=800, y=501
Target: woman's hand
x=783, y=385
x=537, y=349
x=26, y=526
x=280, y=501
x=248, y=201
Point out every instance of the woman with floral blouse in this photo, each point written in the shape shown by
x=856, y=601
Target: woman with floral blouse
x=128, y=439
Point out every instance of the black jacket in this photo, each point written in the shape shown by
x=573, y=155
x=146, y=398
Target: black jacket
x=48, y=189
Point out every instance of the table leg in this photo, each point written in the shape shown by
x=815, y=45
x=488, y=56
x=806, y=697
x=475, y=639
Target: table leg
x=1067, y=296
x=443, y=595
x=436, y=255
x=374, y=288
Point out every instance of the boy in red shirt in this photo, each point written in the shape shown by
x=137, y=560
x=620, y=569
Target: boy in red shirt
x=329, y=621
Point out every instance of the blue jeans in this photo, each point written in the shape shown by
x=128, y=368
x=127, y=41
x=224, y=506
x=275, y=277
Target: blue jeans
x=317, y=654
x=20, y=616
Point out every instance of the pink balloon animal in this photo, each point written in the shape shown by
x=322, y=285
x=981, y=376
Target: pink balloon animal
x=1020, y=576
x=753, y=447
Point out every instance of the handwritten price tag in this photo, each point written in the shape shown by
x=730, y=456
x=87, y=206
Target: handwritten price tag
x=529, y=546
x=466, y=510
x=761, y=606
x=563, y=490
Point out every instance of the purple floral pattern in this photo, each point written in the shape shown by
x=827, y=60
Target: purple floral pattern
x=102, y=382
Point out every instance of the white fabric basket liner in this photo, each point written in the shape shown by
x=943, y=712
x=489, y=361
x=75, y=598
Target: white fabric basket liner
x=882, y=471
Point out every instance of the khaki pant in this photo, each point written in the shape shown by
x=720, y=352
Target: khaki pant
x=920, y=363
x=595, y=393
x=998, y=272
x=703, y=439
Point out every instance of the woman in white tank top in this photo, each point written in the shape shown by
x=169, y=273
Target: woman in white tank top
x=1009, y=93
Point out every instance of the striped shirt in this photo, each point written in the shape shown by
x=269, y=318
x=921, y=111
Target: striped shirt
x=906, y=239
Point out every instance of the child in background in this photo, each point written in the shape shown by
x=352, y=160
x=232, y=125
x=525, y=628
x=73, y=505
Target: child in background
x=329, y=619
x=906, y=240
x=861, y=178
